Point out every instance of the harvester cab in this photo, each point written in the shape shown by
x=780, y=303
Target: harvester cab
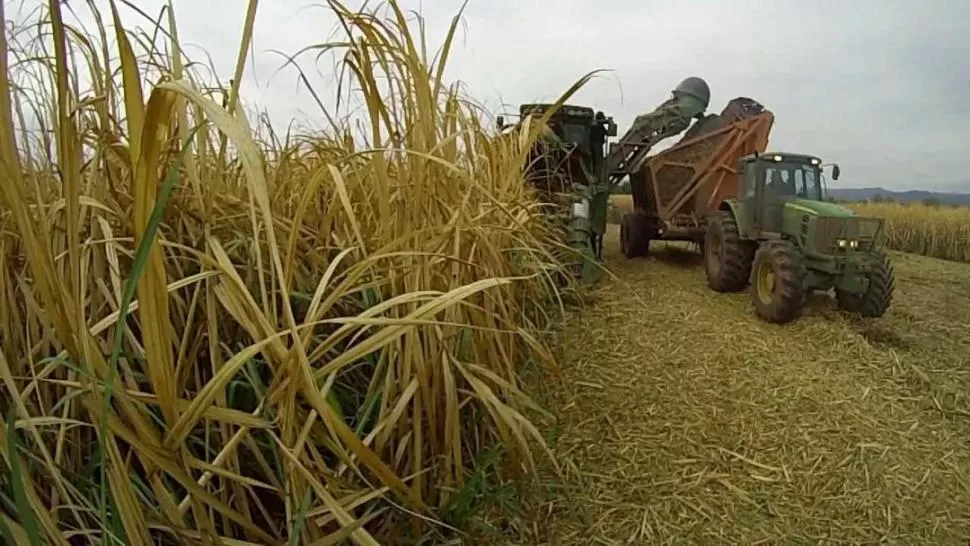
x=568, y=167
x=781, y=237
x=577, y=133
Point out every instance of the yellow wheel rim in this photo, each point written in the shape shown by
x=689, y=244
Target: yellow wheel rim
x=766, y=282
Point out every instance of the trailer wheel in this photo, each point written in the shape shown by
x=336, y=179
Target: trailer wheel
x=877, y=298
x=635, y=234
x=777, y=282
x=727, y=258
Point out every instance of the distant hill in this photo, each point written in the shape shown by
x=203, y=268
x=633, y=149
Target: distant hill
x=955, y=187
x=870, y=194
x=910, y=196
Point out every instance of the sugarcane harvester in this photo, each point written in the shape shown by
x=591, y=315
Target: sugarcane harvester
x=572, y=166
x=567, y=168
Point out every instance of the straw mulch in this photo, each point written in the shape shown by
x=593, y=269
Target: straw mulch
x=686, y=419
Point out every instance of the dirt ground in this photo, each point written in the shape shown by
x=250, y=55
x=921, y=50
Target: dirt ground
x=683, y=418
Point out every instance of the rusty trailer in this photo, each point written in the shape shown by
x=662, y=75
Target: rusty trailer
x=676, y=189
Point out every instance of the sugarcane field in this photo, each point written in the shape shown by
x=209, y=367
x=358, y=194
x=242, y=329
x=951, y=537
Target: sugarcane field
x=483, y=273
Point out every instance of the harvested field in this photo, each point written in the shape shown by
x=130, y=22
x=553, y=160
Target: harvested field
x=686, y=419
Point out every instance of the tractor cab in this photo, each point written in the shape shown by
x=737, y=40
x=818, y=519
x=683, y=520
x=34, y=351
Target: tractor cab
x=776, y=187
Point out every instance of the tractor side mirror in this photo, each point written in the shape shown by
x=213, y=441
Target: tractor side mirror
x=835, y=172
x=500, y=121
x=610, y=127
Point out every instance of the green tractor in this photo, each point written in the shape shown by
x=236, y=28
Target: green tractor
x=567, y=167
x=780, y=237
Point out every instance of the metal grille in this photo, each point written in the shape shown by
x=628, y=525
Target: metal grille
x=828, y=231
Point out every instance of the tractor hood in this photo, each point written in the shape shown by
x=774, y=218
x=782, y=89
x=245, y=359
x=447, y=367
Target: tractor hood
x=819, y=208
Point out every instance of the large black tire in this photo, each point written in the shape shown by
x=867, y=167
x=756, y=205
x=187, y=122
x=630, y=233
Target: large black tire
x=778, y=282
x=635, y=234
x=727, y=258
x=877, y=298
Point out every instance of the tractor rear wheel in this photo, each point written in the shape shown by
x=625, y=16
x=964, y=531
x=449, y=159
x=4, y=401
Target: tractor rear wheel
x=635, y=234
x=877, y=298
x=727, y=258
x=777, y=282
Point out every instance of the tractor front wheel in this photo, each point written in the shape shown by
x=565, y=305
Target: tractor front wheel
x=877, y=298
x=635, y=234
x=777, y=282
x=727, y=257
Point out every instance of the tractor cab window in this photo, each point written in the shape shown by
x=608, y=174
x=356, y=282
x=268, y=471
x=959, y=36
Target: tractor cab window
x=779, y=182
x=793, y=180
x=807, y=182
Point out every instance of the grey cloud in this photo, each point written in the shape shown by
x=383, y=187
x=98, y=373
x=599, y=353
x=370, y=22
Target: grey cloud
x=876, y=85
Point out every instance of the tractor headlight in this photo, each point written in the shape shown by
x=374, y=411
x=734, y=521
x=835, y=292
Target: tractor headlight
x=843, y=243
x=853, y=244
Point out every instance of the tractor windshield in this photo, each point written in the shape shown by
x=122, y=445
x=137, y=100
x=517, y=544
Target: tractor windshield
x=793, y=180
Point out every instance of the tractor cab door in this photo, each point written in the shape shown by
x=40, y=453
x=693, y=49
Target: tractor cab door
x=777, y=186
x=751, y=195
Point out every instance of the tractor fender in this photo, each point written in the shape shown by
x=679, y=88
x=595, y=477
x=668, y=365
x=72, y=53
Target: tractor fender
x=734, y=207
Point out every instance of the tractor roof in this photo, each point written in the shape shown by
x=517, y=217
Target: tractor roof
x=786, y=156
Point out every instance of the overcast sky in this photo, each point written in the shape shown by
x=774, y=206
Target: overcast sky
x=879, y=86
